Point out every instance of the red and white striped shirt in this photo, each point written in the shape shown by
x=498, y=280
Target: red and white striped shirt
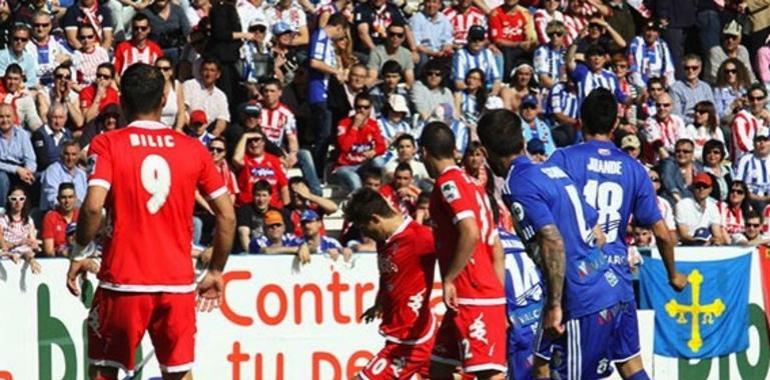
x=542, y=18
x=574, y=24
x=733, y=219
x=87, y=63
x=277, y=122
x=666, y=131
x=745, y=126
x=461, y=22
x=127, y=54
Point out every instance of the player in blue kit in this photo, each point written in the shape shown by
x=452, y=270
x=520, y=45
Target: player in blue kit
x=617, y=186
x=550, y=213
x=524, y=301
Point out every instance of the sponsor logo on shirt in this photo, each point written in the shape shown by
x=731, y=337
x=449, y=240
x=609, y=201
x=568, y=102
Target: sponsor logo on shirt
x=450, y=192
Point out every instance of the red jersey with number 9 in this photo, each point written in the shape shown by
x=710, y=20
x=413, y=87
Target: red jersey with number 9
x=151, y=173
x=457, y=196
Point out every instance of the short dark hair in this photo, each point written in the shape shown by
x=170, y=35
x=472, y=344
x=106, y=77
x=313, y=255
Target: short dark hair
x=404, y=136
x=396, y=24
x=141, y=89
x=370, y=172
x=656, y=80
x=108, y=66
x=711, y=145
x=599, y=112
x=139, y=17
x=272, y=81
x=684, y=141
x=14, y=68
x=363, y=96
x=66, y=186
x=85, y=26
x=757, y=87
x=210, y=61
x=438, y=139
x=220, y=139
x=20, y=26
x=500, y=132
x=391, y=67
x=403, y=166
x=262, y=185
x=297, y=179
x=337, y=19
x=753, y=213
x=364, y=203
x=67, y=144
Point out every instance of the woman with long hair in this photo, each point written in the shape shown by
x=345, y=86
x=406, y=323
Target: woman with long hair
x=470, y=101
x=173, y=113
x=430, y=91
x=343, y=48
x=704, y=127
x=19, y=237
x=474, y=163
x=730, y=89
x=713, y=157
x=734, y=209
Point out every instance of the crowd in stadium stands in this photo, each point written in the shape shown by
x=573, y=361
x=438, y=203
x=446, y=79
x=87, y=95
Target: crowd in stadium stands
x=340, y=90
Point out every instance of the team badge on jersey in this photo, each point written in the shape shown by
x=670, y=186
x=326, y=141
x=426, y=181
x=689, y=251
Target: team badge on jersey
x=518, y=211
x=91, y=164
x=450, y=191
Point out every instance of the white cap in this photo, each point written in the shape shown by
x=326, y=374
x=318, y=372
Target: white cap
x=398, y=103
x=494, y=103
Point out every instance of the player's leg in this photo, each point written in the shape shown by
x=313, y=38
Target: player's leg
x=482, y=334
x=172, y=331
x=583, y=352
x=521, y=343
x=116, y=325
x=399, y=361
x=626, y=349
x=445, y=357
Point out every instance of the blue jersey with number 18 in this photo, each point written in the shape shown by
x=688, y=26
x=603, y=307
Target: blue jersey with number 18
x=617, y=186
x=539, y=195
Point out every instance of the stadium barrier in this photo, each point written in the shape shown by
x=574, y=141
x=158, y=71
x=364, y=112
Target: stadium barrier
x=279, y=321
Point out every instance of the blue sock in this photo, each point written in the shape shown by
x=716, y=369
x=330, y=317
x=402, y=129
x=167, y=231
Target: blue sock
x=639, y=375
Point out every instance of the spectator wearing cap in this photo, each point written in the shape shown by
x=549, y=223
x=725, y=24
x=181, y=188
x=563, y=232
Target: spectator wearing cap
x=64, y=170
x=196, y=127
x=697, y=219
x=18, y=53
x=650, y=57
x=286, y=58
x=561, y=107
x=289, y=12
x=475, y=55
x=688, y=92
x=592, y=74
x=372, y=19
x=433, y=33
x=678, y=172
x=55, y=222
x=754, y=170
x=250, y=217
x=256, y=60
x=392, y=50
x=462, y=15
x=316, y=241
x=549, y=58
x=48, y=140
x=536, y=151
x=51, y=51
x=512, y=30
x=534, y=128
x=663, y=130
x=138, y=49
x=393, y=121
x=730, y=47
x=248, y=11
x=254, y=164
x=750, y=122
x=601, y=33
x=359, y=141
x=302, y=198
x=631, y=145
x=391, y=83
x=89, y=12
x=13, y=92
x=203, y=94
x=275, y=239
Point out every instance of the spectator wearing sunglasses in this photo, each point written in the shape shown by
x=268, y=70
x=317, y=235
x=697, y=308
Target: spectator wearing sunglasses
x=359, y=141
x=475, y=55
x=688, y=92
x=392, y=50
x=730, y=89
x=18, y=53
x=255, y=164
x=13, y=92
x=650, y=56
x=95, y=98
x=430, y=92
x=729, y=47
x=697, y=218
x=713, y=159
x=19, y=237
x=735, y=209
x=61, y=91
x=754, y=170
x=753, y=235
x=679, y=172
x=549, y=58
x=750, y=122
x=93, y=14
x=56, y=221
x=89, y=55
x=50, y=51
x=664, y=129
x=139, y=49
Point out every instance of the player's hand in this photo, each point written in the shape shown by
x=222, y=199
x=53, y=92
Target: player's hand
x=450, y=295
x=552, y=322
x=303, y=254
x=678, y=282
x=371, y=314
x=210, y=291
x=77, y=269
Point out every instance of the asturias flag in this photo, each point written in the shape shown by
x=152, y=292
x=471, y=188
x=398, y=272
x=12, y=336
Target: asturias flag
x=709, y=317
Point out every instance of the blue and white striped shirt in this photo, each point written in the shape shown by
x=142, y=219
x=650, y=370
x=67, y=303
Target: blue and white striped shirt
x=549, y=62
x=755, y=171
x=524, y=290
x=588, y=81
x=646, y=62
x=561, y=100
x=321, y=49
x=464, y=61
x=258, y=243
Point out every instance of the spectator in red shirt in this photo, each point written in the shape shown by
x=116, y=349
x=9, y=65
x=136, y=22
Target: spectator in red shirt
x=255, y=164
x=359, y=141
x=100, y=94
x=401, y=192
x=56, y=221
x=512, y=30
x=139, y=48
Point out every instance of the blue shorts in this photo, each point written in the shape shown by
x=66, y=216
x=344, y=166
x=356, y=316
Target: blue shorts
x=625, y=344
x=589, y=345
x=521, y=349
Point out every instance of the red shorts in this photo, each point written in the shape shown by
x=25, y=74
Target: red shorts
x=400, y=361
x=474, y=338
x=118, y=320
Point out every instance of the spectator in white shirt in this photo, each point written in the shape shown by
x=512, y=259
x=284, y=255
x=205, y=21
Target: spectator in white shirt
x=203, y=94
x=697, y=219
x=753, y=235
x=754, y=170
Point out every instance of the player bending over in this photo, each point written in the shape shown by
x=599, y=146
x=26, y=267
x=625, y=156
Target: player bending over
x=406, y=260
x=146, y=175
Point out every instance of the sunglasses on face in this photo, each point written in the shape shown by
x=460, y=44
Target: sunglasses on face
x=20, y=39
x=42, y=25
x=701, y=112
x=556, y=34
x=737, y=191
x=756, y=97
x=433, y=73
x=141, y=28
x=701, y=186
x=255, y=140
x=86, y=37
x=692, y=68
x=363, y=106
x=397, y=35
x=663, y=105
x=656, y=89
x=216, y=150
x=683, y=151
x=753, y=225
x=62, y=76
x=731, y=71
x=103, y=76
x=164, y=68
x=17, y=199
x=274, y=226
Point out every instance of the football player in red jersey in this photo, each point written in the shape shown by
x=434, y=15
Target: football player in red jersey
x=472, y=334
x=146, y=175
x=406, y=260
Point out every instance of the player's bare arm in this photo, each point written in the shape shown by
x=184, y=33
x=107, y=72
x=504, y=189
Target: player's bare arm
x=375, y=311
x=552, y=251
x=498, y=260
x=466, y=243
x=666, y=242
x=210, y=287
x=89, y=222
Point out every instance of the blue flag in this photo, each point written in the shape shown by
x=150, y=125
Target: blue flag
x=709, y=318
